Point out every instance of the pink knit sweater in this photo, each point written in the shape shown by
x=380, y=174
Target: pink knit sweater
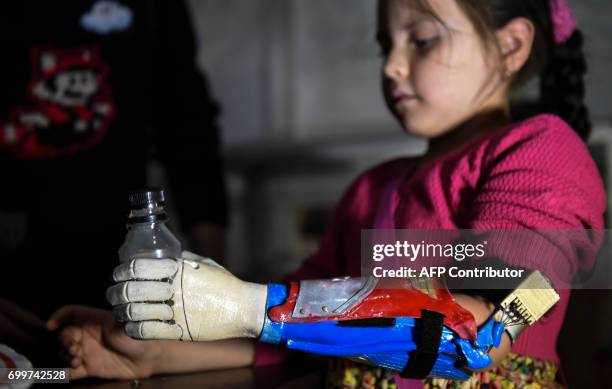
x=533, y=174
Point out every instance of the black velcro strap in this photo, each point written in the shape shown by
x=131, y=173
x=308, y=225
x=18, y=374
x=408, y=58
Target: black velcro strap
x=427, y=334
x=372, y=322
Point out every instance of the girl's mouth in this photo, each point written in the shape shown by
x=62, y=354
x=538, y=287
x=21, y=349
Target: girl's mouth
x=402, y=97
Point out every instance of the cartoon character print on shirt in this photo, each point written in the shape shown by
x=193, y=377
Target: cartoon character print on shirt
x=70, y=105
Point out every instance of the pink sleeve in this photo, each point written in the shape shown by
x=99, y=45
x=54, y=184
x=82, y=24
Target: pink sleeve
x=541, y=176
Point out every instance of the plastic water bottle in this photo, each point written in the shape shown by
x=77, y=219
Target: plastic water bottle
x=147, y=234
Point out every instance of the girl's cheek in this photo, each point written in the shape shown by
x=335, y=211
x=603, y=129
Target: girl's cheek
x=441, y=54
x=427, y=81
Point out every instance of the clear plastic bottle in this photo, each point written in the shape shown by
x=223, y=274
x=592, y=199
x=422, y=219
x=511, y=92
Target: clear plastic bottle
x=147, y=235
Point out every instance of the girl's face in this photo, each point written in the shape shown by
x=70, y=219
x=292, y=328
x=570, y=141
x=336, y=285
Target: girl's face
x=437, y=73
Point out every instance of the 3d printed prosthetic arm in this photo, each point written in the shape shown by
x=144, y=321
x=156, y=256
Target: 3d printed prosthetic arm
x=412, y=326
x=417, y=332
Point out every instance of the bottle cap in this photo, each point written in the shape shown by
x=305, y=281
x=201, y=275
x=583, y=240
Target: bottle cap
x=140, y=199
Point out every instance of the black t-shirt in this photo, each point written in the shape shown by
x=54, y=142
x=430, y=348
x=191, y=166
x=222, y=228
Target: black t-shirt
x=91, y=90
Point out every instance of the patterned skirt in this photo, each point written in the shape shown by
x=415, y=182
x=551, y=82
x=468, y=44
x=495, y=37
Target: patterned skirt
x=515, y=371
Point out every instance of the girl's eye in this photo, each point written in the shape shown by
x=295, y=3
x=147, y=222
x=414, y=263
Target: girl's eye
x=425, y=44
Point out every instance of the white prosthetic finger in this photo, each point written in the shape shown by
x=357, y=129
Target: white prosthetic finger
x=139, y=291
x=153, y=330
x=142, y=312
x=145, y=269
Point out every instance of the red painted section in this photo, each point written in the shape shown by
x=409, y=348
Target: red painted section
x=389, y=301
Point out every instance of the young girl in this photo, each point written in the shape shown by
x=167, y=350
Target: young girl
x=449, y=68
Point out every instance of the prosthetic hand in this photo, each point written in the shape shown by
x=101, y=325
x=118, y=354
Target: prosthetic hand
x=190, y=298
x=419, y=331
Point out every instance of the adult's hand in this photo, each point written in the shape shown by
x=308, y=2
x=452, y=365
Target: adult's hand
x=95, y=345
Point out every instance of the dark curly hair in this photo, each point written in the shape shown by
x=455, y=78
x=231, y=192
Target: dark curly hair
x=561, y=67
x=562, y=85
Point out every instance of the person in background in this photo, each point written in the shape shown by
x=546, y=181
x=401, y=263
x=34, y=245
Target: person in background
x=448, y=73
x=92, y=91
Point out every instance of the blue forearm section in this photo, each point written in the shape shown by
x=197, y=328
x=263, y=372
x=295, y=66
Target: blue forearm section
x=387, y=346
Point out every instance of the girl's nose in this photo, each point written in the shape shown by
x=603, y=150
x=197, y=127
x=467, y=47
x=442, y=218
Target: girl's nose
x=397, y=66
